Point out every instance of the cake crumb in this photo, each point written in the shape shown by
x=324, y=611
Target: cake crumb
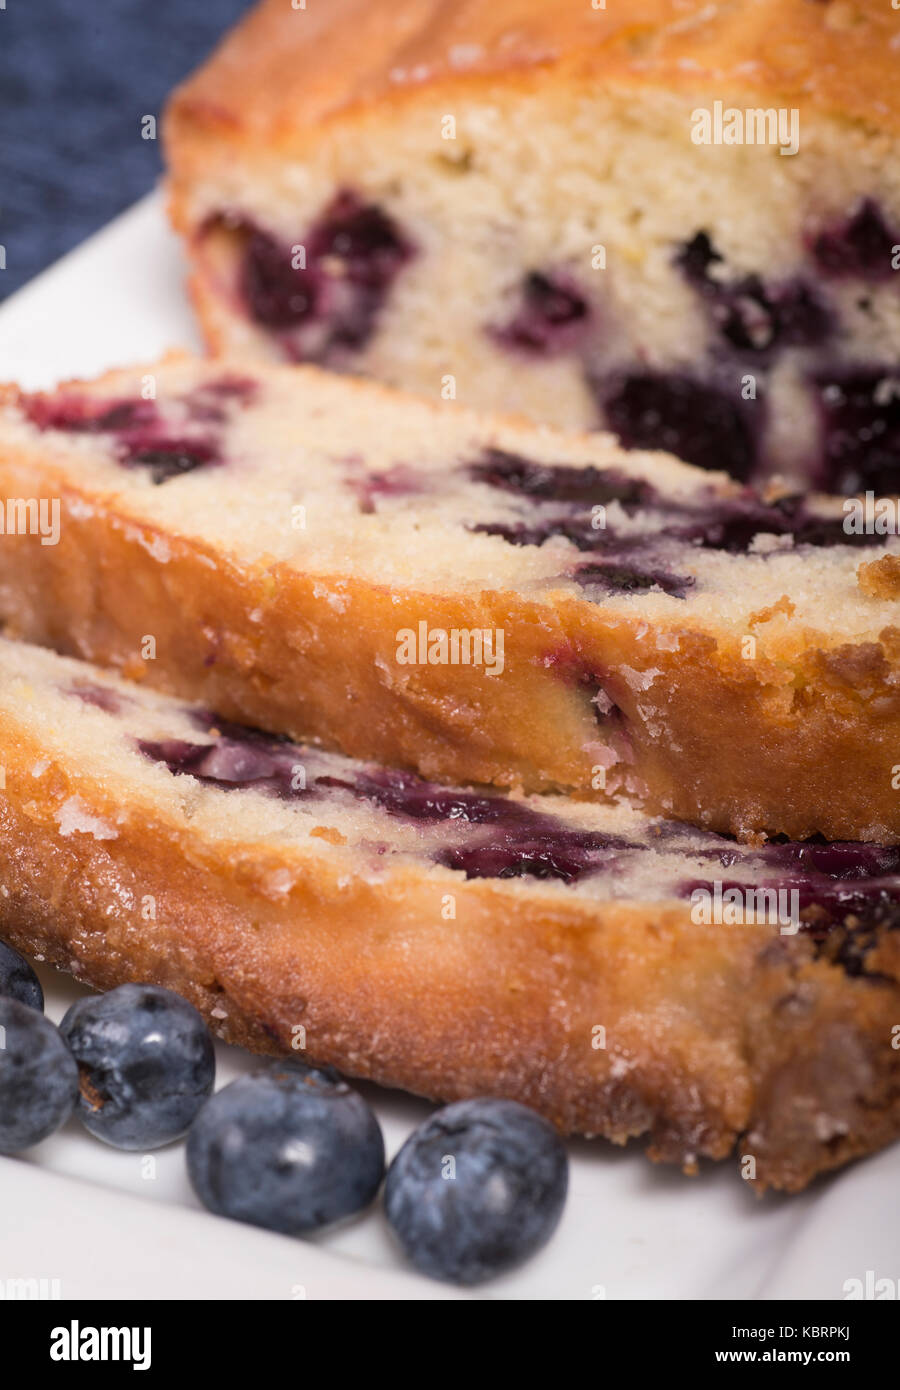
x=765, y=615
x=880, y=578
x=328, y=833
x=74, y=816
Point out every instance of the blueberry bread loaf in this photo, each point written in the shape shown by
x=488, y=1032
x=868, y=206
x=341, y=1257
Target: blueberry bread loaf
x=675, y=219
x=468, y=597
x=455, y=942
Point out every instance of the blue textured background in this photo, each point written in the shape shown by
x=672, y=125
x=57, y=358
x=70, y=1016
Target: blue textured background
x=76, y=76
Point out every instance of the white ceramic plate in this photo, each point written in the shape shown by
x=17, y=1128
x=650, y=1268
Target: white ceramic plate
x=110, y=1224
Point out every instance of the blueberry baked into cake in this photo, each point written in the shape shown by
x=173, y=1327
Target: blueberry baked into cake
x=470, y=597
x=543, y=208
x=453, y=942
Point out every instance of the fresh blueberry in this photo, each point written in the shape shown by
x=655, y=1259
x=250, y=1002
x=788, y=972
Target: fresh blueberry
x=477, y=1188
x=145, y=1061
x=38, y=1077
x=290, y=1149
x=18, y=980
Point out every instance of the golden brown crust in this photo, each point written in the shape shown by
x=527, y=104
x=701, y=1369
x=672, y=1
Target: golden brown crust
x=285, y=73
x=714, y=1036
x=881, y=578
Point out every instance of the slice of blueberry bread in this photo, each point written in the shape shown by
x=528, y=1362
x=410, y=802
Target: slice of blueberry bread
x=675, y=219
x=469, y=597
x=625, y=976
